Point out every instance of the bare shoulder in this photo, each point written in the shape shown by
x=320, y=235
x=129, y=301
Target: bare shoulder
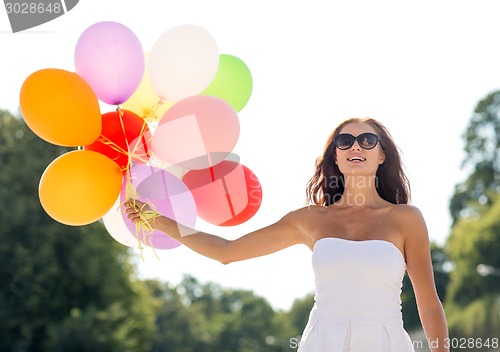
x=302, y=218
x=406, y=212
x=304, y=213
x=409, y=220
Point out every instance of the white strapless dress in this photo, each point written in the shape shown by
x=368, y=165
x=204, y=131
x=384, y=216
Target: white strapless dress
x=358, y=298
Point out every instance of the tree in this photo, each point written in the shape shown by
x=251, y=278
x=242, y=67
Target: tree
x=178, y=327
x=293, y=322
x=476, y=324
x=472, y=301
x=482, y=157
x=472, y=242
x=207, y=317
x=63, y=288
x=298, y=315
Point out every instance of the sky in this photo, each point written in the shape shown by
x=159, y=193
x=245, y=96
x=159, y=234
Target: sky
x=419, y=68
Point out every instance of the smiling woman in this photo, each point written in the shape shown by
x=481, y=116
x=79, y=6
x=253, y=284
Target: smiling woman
x=328, y=183
x=363, y=191
x=363, y=236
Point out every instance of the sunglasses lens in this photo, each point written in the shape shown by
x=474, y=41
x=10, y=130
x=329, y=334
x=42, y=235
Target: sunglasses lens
x=367, y=140
x=344, y=141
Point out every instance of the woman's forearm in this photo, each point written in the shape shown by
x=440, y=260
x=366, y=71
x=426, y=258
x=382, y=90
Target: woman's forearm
x=435, y=328
x=266, y=240
x=203, y=243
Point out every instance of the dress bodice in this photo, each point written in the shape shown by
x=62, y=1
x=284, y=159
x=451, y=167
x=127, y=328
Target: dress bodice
x=358, y=298
x=364, y=277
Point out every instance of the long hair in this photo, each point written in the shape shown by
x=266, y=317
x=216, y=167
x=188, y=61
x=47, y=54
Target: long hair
x=326, y=186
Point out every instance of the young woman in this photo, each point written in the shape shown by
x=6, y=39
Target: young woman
x=363, y=236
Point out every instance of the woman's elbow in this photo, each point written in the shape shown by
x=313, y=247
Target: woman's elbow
x=225, y=261
x=224, y=256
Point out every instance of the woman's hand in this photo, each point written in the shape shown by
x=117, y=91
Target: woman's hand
x=135, y=209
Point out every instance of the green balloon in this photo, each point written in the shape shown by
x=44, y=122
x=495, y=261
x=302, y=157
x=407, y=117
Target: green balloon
x=232, y=82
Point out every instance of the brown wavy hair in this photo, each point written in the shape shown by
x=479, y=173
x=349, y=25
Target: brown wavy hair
x=326, y=186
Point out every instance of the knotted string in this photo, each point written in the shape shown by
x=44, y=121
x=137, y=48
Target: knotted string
x=143, y=228
x=151, y=114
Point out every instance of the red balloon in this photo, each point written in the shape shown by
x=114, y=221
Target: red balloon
x=226, y=194
x=122, y=133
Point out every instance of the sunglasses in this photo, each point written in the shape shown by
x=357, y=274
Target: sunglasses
x=365, y=140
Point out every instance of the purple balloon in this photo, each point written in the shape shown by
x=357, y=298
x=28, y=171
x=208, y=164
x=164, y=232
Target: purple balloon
x=170, y=196
x=109, y=56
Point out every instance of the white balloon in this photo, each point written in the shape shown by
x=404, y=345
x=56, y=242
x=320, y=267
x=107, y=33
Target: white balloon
x=114, y=224
x=183, y=62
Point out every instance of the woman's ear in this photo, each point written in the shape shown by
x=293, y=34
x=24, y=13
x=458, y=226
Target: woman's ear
x=382, y=158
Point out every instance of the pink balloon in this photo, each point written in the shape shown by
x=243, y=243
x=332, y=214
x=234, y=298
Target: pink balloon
x=168, y=194
x=197, y=132
x=110, y=58
x=226, y=194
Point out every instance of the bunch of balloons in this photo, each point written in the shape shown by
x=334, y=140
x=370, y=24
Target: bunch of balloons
x=169, y=139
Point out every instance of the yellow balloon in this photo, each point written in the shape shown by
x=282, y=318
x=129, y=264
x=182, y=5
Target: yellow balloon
x=60, y=107
x=145, y=102
x=79, y=187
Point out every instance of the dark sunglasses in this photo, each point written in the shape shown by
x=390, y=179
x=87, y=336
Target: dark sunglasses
x=365, y=140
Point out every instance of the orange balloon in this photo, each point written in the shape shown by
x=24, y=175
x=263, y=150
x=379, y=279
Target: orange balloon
x=79, y=187
x=60, y=107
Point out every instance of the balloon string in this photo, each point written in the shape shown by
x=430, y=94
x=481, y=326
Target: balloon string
x=152, y=116
x=143, y=157
x=134, y=153
x=145, y=142
x=143, y=228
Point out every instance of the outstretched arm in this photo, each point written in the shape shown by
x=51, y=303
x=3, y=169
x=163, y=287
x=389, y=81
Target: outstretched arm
x=284, y=233
x=419, y=267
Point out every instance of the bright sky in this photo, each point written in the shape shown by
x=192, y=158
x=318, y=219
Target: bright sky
x=420, y=68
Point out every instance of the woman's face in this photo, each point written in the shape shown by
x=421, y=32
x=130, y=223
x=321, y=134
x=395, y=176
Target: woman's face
x=356, y=160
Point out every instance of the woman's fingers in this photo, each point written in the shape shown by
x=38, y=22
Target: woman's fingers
x=134, y=209
x=133, y=214
x=131, y=204
x=134, y=206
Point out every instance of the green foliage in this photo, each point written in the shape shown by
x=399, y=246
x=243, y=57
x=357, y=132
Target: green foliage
x=299, y=313
x=480, y=319
x=473, y=242
x=63, y=288
x=211, y=318
x=482, y=157
x=178, y=328
x=472, y=304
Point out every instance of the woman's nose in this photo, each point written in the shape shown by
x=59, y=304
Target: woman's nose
x=355, y=145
